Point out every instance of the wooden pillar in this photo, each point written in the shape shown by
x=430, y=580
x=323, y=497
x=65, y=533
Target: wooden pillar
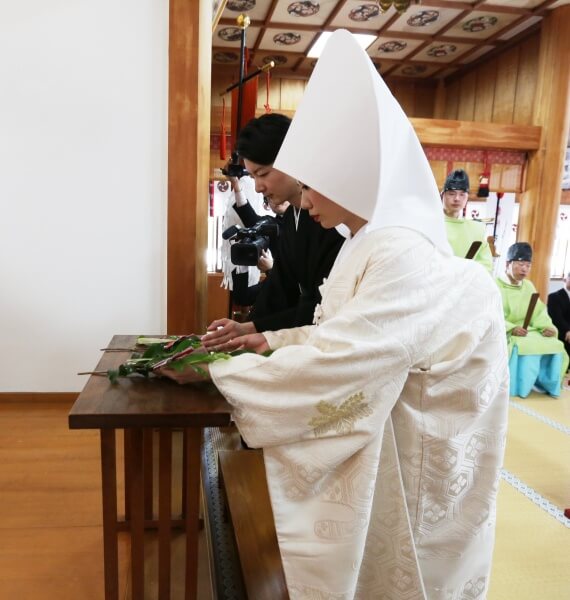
x=540, y=202
x=190, y=52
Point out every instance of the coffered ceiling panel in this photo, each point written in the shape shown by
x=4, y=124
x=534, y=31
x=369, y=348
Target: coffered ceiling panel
x=442, y=52
x=306, y=13
x=253, y=8
x=414, y=70
x=481, y=25
x=286, y=40
x=425, y=21
x=384, y=67
x=281, y=59
x=392, y=48
x=359, y=14
x=435, y=37
x=230, y=35
x=308, y=64
x=225, y=57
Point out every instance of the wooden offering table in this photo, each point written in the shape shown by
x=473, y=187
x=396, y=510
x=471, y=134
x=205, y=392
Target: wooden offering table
x=140, y=406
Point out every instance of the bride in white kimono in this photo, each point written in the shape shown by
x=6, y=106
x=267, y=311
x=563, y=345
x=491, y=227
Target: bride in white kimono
x=383, y=424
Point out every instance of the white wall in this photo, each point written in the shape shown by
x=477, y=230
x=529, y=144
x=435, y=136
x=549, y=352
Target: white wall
x=83, y=158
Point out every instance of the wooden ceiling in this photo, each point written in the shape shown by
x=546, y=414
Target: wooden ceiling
x=433, y=39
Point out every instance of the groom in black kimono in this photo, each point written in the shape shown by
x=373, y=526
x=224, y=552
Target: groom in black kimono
x=559, y=311
x=306, y=250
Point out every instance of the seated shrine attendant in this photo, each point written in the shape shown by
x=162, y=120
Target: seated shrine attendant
x=461, y=232
x=537, y=357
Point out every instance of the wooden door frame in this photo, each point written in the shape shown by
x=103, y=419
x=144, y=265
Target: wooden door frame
x=189, y=91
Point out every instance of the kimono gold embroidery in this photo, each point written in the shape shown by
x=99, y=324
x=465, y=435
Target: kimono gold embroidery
x=340, y=418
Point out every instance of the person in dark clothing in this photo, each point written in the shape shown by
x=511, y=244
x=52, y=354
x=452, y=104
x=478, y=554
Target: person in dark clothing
x=306, y=251
x=559, y=311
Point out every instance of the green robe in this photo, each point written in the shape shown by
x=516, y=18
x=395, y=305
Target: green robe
x=461, y=233
x=515, y=305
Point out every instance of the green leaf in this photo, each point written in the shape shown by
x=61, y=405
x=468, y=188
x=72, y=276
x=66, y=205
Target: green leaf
x=155, y=352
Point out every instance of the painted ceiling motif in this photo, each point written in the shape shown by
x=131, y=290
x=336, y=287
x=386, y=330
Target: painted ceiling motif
x=432, y=39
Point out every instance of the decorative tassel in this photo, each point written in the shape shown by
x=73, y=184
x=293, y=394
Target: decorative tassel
x=483, y=191
x=223, y=149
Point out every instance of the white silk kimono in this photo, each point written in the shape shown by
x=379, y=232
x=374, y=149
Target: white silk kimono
x=383, y=426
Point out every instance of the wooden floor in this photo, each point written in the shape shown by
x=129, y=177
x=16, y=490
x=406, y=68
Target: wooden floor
x=50, y=512
x=50, y=508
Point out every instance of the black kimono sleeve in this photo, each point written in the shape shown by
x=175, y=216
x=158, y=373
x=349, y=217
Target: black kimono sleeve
x=247, y=215
x=306, y=255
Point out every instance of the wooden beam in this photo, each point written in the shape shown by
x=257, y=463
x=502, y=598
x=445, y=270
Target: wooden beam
x=388, y=24
x=334, y=13
x=470, y=134
x=542, y=8
x=190, y=57
x=497, y=8
x=539, y=204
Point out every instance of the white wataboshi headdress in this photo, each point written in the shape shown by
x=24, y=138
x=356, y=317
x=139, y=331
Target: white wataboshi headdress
x=351, y=142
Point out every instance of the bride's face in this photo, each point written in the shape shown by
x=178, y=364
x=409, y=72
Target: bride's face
x=322, y=210
x=326, y=212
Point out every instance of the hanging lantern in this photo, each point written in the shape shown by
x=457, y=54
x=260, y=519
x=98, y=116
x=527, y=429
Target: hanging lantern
x=400, y=5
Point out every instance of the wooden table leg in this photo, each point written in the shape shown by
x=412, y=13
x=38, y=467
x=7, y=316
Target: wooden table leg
x=127, y=471
x=137, y=514
x=164, y=512
x=110, y=539
x=148, y=445
x=184, y=477
x=192, y=438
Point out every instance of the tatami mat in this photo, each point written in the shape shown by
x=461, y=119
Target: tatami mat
x=552, y=408
x=540, y=456
x=532, y=552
